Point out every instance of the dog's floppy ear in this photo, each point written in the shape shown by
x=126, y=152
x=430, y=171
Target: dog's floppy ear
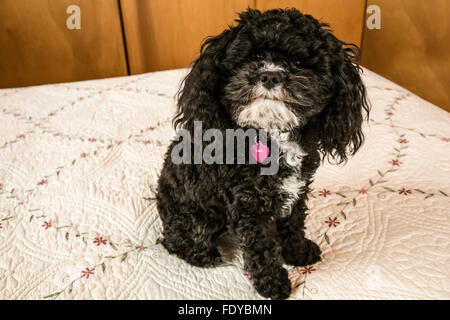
x=198, y=98
x=339, y=124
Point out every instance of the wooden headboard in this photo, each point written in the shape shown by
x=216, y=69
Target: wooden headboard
x=412, y=48
x=36, y=46
x=163, y=34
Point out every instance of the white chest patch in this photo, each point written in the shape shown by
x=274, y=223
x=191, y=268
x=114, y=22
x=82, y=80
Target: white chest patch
x=292, y=185
x=267, y=113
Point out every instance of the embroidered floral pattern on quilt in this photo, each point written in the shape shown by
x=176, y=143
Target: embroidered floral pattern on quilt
x=78, y=168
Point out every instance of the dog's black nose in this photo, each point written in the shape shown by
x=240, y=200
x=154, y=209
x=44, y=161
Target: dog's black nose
x=270, y=79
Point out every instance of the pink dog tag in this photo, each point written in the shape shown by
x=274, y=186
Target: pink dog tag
x=259, y=151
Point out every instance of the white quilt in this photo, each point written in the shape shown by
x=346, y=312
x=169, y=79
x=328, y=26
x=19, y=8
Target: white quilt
x=79, y=161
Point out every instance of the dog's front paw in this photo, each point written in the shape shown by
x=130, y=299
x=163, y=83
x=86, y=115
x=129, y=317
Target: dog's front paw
x=274, y=285
x=302, y=253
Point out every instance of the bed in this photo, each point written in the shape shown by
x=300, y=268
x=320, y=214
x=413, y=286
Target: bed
x=78, y=168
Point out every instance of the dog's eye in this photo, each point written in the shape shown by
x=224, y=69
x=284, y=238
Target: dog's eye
x=257, y=56
x=298, y=63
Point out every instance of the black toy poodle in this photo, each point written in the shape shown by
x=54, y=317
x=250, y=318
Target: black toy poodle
x=284, y=72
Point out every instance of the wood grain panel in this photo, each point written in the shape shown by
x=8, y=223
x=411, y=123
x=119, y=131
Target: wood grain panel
x=344, y=16
x=412, y=48
x=163, y=34
x=36, y=47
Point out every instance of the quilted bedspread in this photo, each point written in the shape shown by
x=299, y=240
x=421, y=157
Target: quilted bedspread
x=78, y=168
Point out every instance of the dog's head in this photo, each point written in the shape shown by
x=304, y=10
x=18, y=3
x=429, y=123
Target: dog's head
x=278, y=70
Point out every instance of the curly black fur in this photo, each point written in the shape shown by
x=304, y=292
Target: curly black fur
x=320, y=91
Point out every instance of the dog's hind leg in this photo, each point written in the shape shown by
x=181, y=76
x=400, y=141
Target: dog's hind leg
x=192, y=236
